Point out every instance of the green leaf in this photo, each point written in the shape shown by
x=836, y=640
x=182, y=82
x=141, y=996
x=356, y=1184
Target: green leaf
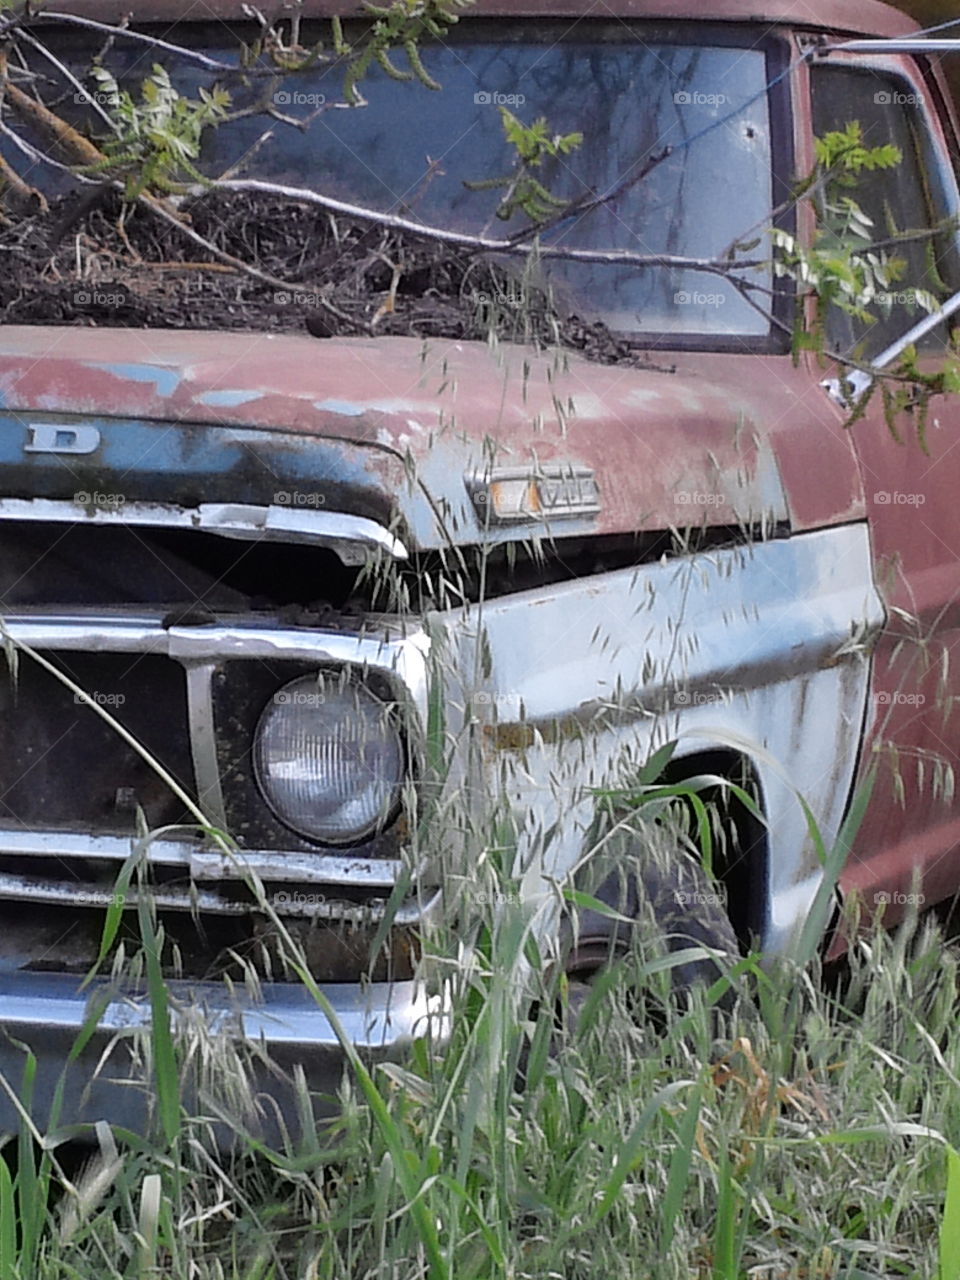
x=949, y=1252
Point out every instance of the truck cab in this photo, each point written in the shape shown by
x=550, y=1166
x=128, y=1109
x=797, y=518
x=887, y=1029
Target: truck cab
x=294, y=623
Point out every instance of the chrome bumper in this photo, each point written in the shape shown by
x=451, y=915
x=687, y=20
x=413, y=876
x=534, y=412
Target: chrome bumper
x=46, y=1012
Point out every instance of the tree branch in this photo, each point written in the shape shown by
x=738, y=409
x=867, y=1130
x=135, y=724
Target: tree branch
x=191, y=55
x=481, y=244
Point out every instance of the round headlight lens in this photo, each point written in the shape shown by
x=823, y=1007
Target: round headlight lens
x=328, y=759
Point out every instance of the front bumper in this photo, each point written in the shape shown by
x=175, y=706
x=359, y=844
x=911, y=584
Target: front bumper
x=275, y=1036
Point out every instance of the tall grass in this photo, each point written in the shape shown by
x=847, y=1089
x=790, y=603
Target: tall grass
x=799, y=1129
x=698, y=1142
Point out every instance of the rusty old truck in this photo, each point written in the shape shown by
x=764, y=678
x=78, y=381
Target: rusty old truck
x=584, y=559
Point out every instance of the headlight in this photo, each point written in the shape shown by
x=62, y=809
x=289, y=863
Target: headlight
x=329, y=759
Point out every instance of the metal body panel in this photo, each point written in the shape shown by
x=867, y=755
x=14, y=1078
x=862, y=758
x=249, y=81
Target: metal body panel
x=748, y=647
x=697, y=445
x=909, y=840
x=868, y=16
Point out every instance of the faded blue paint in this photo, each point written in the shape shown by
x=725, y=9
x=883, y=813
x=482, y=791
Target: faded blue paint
x=345, y=407
x=167, y=380
x=227, y=399
x=171, y=459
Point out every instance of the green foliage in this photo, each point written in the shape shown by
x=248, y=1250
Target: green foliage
x=400, y=25
x=533, y=144
x=157, y=140
x=843, y=268
x=912, y=388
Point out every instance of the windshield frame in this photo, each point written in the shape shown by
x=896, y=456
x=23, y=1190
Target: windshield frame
x=776, y=45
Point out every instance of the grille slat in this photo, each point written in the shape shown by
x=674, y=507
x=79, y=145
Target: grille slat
x=204, y=865
x=89, y=895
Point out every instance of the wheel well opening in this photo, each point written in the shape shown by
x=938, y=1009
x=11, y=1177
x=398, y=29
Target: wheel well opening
x=740, y=845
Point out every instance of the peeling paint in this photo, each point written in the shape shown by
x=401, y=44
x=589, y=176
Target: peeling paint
x=166, y=380
x=226, y=399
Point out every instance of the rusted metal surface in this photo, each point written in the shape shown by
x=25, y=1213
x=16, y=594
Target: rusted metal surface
x=690, y=443
x=866, y=16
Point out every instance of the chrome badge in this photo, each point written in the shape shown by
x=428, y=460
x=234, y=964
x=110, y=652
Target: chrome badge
x=53, y=437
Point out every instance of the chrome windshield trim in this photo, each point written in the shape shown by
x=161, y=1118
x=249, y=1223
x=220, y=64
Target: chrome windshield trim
x=353, y=538
x=848, y=389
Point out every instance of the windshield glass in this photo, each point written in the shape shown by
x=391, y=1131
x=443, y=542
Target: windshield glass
x=411, y=151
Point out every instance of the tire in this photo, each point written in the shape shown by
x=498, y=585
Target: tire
x=673, y=898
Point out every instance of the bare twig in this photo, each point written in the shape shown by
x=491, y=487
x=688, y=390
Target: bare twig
x=580, y=208
x=70, y=77
x=481, y=244
x=191, y=55
x=284, y=286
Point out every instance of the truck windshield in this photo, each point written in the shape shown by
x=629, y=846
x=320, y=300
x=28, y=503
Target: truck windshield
x=632, y=91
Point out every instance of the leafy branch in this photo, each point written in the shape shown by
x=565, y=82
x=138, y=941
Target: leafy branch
x=532, y=144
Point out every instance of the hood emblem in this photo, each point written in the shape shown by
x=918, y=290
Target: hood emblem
x=52, y=437
x=512, y=495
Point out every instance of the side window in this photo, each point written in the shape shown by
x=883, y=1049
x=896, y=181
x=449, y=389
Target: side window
x=904, y=200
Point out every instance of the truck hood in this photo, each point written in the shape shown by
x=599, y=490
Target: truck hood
x=444, y=441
